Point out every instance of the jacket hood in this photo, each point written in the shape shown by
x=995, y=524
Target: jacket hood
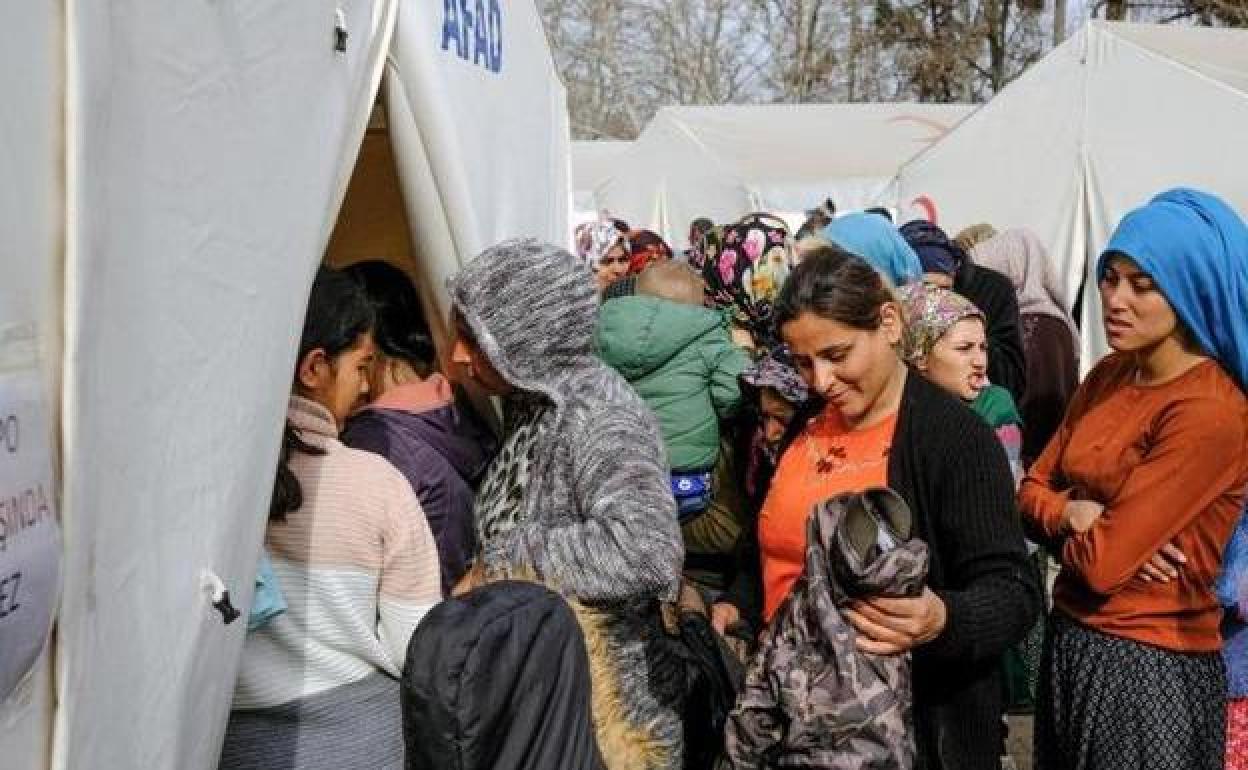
x=499, y=679
x=639, y=335
x=533, y=309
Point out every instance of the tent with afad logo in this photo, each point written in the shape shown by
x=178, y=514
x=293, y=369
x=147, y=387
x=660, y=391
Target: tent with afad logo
x=174, y=174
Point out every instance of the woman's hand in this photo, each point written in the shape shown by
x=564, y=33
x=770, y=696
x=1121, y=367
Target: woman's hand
x=896, y=626
x=1163, y=566
x=1080, y=515
x=724, y=616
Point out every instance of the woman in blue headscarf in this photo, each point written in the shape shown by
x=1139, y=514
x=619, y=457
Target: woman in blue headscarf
x=874, y=238
x=1138, y=494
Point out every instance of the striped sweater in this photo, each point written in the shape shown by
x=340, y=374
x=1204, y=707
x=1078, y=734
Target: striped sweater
x=358, y=567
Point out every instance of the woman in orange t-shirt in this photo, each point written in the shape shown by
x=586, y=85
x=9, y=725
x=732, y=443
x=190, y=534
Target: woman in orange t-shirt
x=1138, y=494
x=873, y=423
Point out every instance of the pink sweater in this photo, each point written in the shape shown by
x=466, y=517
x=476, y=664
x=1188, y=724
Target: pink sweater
x=358, y=567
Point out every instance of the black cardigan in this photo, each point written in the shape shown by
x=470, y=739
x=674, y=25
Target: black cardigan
x=993, y=293
x=951, y=470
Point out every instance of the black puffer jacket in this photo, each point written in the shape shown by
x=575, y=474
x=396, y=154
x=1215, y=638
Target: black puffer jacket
x=499, y=679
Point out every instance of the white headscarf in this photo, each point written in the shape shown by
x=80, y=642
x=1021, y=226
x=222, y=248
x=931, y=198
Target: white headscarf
x=595, y=239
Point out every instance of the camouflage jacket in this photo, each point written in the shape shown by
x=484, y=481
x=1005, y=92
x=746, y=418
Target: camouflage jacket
x=811, y=699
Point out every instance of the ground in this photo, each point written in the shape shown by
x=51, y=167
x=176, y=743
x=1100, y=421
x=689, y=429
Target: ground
x=1019, y=744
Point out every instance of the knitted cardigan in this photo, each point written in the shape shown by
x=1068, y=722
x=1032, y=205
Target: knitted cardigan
x=599, y=520
x=950, y=469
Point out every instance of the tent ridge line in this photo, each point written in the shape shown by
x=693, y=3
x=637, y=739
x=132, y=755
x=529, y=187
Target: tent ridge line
x=1176, y=63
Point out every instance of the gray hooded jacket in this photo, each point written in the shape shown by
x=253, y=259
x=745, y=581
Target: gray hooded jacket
x=599, y=521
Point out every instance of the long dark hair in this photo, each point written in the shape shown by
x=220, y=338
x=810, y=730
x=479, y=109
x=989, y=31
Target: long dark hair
x=338, y=313
x=401, y=331
x=836, y=285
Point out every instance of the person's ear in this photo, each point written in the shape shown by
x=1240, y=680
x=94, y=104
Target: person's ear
x=921, y=364
x=891, y=323
x=314, y=369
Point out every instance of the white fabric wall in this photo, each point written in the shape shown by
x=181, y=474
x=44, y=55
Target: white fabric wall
x=725, y=161
x=592, y=162
x=1115, y=115
x=482, y=155
x=209, y=144
x=1015, y=162
x=31, y=233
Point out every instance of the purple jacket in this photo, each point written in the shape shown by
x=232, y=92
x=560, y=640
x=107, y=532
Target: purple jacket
x=443, y=453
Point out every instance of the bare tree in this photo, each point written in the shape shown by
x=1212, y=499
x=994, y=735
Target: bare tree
x=622, y=60
x=960, y=50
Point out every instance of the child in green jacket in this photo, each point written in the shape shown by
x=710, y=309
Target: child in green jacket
x=679, y=357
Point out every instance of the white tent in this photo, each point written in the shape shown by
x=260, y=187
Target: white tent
x=592, y=162
x=723, y=162
x=1113, y=116
x=174, y=173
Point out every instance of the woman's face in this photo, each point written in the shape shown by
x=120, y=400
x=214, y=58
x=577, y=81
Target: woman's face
x=850, y=368
x=473, y=364
x=777, y=414
x=1137, y=316
x=959, y=360
x=338, y=383
x=613, y=266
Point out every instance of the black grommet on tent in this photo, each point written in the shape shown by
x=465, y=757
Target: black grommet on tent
x=340, y=31
x=228, y=613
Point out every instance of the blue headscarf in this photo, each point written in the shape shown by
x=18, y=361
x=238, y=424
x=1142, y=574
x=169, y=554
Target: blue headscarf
x=874, y=238
x=1195, y=248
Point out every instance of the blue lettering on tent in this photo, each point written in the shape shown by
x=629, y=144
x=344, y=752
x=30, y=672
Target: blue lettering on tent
x=481, y=47
x=450, y=27
x=496, y=36
x=476, y=29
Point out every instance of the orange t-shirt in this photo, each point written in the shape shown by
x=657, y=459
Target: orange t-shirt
x=827, y=459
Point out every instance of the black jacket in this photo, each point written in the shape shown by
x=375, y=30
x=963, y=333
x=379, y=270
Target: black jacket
x=949, y=467
x=499, y=680
x=993, y=293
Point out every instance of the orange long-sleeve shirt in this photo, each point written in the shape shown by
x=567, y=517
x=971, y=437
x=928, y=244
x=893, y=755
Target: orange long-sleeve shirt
x=1170, y=464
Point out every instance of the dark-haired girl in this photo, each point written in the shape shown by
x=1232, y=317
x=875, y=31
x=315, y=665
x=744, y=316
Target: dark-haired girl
x=317, y=686
x=412, y=419
x=872, y=422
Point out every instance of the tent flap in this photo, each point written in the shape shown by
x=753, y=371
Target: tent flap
x=209, y=146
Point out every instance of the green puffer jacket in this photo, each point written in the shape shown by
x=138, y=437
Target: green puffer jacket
x=681, y=361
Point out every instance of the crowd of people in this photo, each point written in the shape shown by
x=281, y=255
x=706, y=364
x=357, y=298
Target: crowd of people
x=828, y=499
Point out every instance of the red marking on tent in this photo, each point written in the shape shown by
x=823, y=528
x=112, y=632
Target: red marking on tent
x=928, y=206
x=939, y=128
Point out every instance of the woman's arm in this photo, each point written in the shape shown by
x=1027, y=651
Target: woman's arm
x=1182, y=473
x=411, y=578
x=990, y=590
x=622, y=542
x=1043, y=495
